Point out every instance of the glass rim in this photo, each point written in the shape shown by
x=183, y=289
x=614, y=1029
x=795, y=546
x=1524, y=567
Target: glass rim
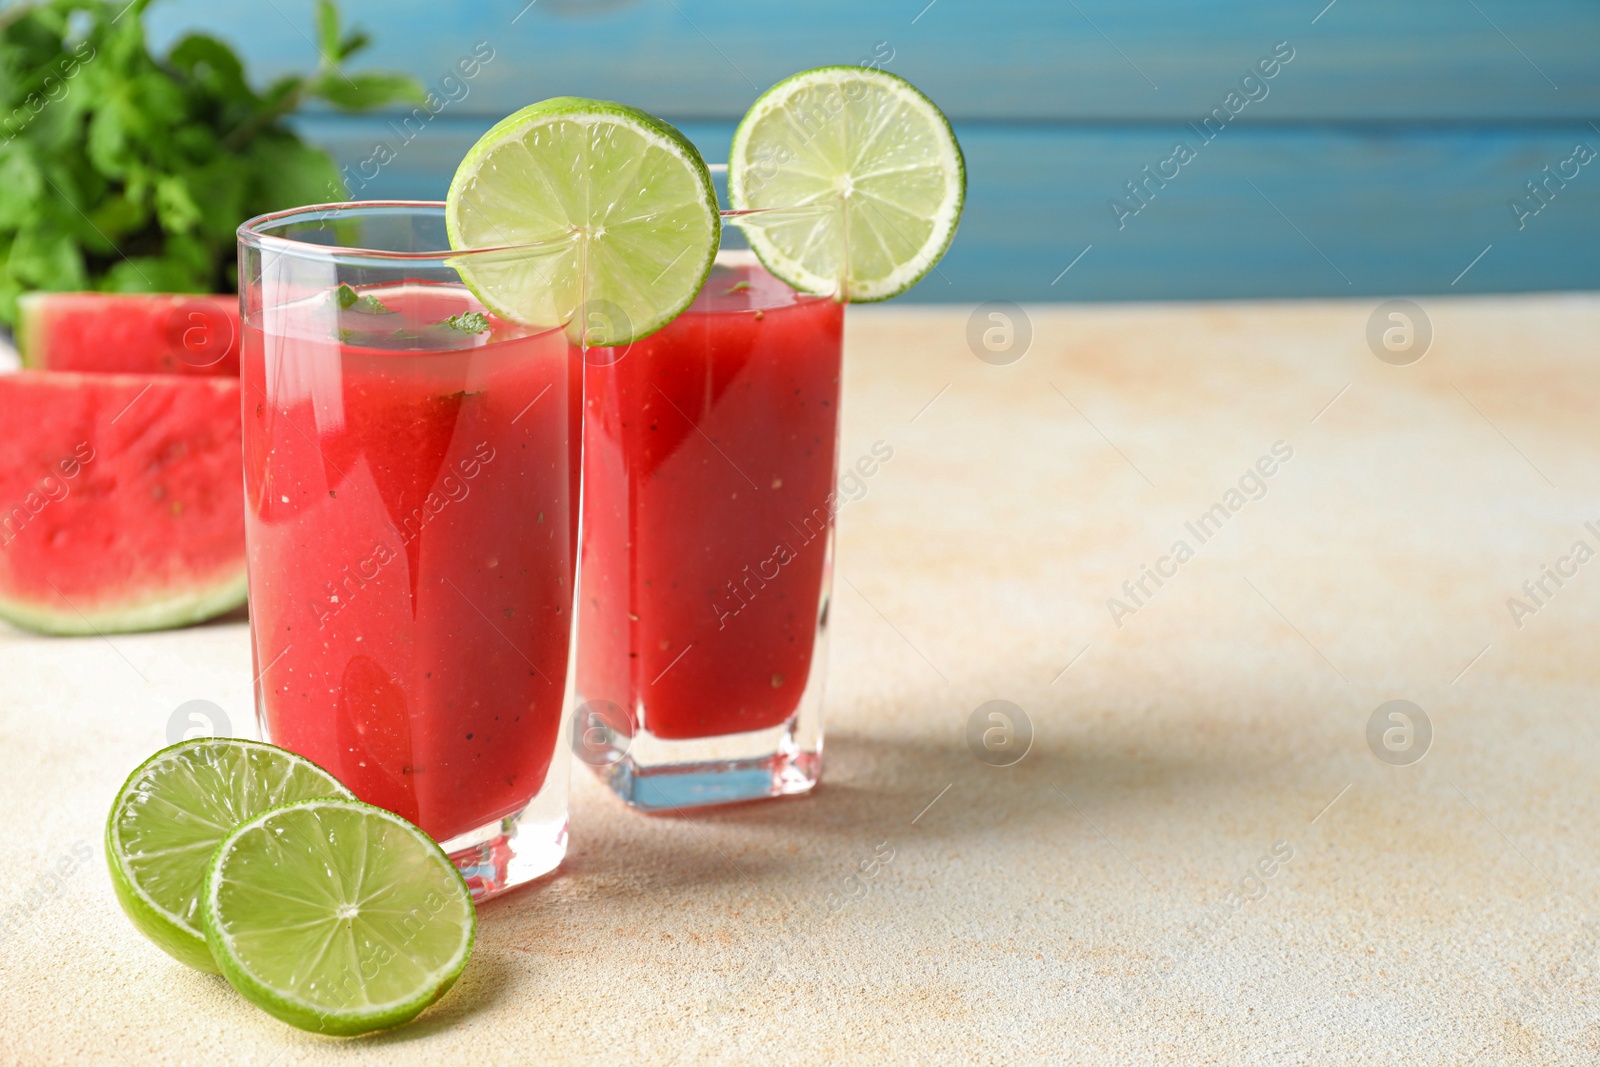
x=253, y=232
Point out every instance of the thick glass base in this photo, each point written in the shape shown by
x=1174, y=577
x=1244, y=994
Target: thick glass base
x=653, y=774
x=657, y=774
x=512, y=850
x=502, y=855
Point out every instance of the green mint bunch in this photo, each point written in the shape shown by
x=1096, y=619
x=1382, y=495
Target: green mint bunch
x=128, y=172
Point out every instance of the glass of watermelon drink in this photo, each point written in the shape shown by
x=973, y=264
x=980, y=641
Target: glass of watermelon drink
x=412, y=469
x=710, y=457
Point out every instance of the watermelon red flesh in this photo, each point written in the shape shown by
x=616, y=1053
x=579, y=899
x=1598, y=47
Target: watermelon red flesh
x=121, y=501
x=130, y=333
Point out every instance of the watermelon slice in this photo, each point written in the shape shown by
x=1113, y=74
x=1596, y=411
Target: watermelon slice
x=129, y=333
x=121, y=501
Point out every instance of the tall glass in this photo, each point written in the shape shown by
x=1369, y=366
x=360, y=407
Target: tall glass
x=412, y=471
x=710, y=459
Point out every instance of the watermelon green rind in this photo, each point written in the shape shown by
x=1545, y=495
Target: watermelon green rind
x=30, y=310
x=164, y=611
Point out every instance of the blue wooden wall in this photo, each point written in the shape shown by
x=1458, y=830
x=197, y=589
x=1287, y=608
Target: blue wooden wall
x=1383, y=158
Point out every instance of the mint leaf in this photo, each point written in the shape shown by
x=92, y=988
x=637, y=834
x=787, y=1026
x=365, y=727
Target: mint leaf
x=151, y=274
x=350, y=300
x=468, y=322
x=46, y=260
x=125, y=170
x=211, y=66
x=282, y=169
x=363, y=92
x=328, y=31
x=353, y=42
x=23, y=185
x=175, y=207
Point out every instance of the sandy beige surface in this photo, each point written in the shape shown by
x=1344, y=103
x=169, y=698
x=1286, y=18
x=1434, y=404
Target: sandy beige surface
x=1105, y=899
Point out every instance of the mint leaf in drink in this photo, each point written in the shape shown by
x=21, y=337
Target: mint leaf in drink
x=350, y=300
x=468, y=322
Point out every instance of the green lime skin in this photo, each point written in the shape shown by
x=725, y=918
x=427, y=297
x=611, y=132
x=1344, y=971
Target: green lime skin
x=172, y=812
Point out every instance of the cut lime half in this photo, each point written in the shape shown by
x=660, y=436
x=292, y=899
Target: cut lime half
x=175, y=809
x=336, y=916
x=867, y=146
x=632, y=190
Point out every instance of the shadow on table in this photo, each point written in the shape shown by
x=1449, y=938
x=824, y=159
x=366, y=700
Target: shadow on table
x=237, y=615
x=878, y=787
x=482, y=985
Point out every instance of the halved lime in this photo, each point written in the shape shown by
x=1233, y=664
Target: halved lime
x=876, y=163
x=175, y=809
x=630, y=188
x=336, y=916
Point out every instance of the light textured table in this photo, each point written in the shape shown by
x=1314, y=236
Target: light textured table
x=1074, y=907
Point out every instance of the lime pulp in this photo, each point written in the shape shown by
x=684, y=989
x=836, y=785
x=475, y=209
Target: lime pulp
x=173, y=811
x=337, y=917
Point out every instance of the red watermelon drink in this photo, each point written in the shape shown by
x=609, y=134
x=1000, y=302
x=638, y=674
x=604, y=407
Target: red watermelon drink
x=411, y=483
x=710, y=449
x=710, y=453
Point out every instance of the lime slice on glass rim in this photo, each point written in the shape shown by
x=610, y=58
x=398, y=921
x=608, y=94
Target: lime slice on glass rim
x=336, y=916
x=173, y=811
x=629, y=195
x=867, y=145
